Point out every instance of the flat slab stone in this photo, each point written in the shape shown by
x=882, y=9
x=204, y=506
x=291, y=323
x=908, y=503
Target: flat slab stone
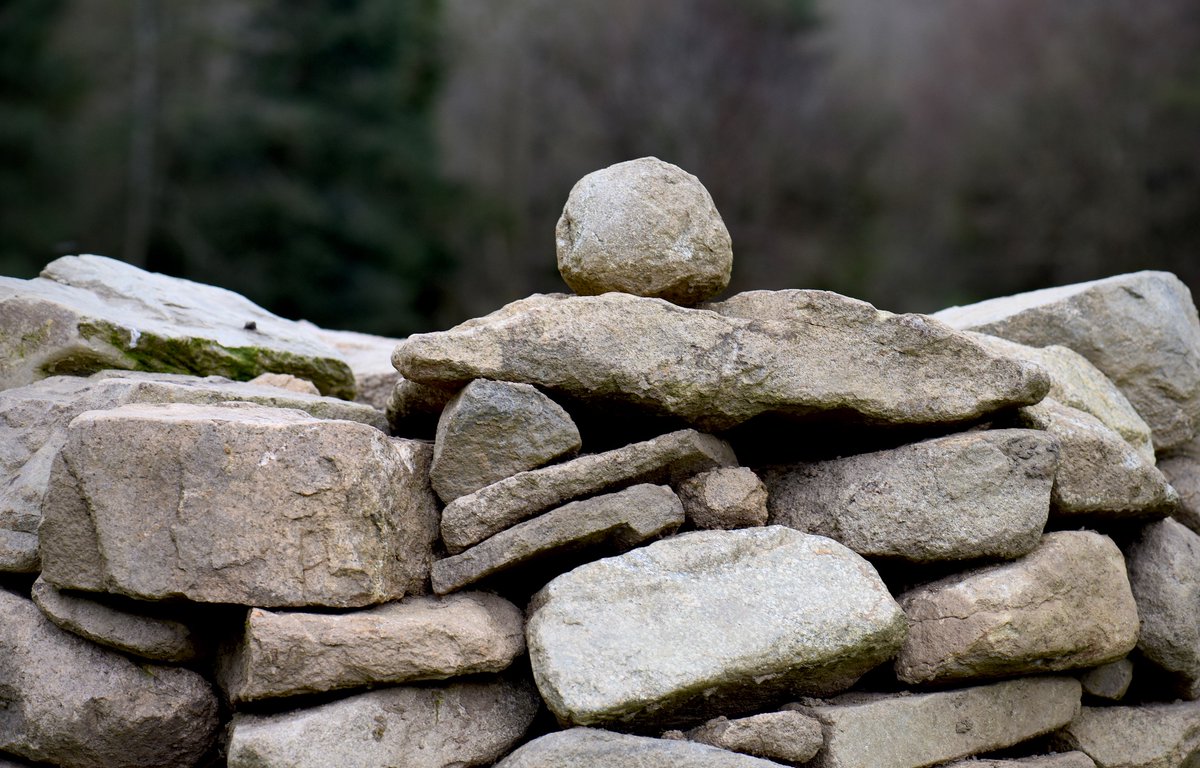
x=1060, y=760
x=1145, y=736
x=592, y=748
x=456, y=726
x=419, y=638
x=708, y=623
x=87, y=313
x=909, y=731
x=1181, y=467
x=726, y=498
x=1109, y=682
x=1140, y=329
x=248, y=505
x=788, y=737
x=618, y=520
x=800, y=353
x=969, y=495
x=1066, y=605
x=74, y=704
x=672, y=457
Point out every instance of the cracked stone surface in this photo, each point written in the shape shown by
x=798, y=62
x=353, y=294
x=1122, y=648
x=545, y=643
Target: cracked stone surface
x=592, y=748
x=1146, y=736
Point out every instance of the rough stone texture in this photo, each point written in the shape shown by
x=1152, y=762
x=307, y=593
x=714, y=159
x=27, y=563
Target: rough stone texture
x=1099, y=473
x=969, y=495
x=140, y=634
x=727, y=498
x=1140, y=329
x=254, y=506
x=643, y=227
x=787, y=737
x=908, y=731
x=460, y=725
x=33, y=427
x=74, y=704
x=285, y=381
x=413, y=408
x=708, y=623
x=800, y=353
x=1181, y=467
x=672, y=457
x=494, y=429
x=370, y=359
x=1108, y=681
x=1065, y=605
x=618, y=520
x=1146, y=736
x=591, y=748
x=1164, y=571
x=419, y=638
x=88, y=313
x=1060, y=760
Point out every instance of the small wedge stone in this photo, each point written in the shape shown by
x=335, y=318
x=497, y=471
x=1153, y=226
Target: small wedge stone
x=592, y=748
x=786, y=737
x=728, y=498
x=1108, y=681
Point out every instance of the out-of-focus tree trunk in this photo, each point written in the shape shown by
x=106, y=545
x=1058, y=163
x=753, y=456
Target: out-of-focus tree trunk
x=143, y=130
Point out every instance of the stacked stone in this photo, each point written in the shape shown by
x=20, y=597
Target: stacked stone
x=953, y=538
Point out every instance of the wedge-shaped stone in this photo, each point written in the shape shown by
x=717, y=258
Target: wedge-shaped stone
x=708, y=623
x=909, y=731
x=1059, y=760
x=1065, y=605
x=970, y=495
x=726, y=498
x=74, y=704
x=788, y=737
x=237, y=503
x=618, y=520
x=592, y=748
x=1140, y=329
x=673, y=457
x=802, y=353
x=1109, y=682
x=460, y=725
x=1181, y=467
x=88, y=313
x=1164, y=570
x=1146, y=736
x=419, y=638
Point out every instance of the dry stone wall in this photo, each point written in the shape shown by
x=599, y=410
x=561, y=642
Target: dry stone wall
x=620, y=528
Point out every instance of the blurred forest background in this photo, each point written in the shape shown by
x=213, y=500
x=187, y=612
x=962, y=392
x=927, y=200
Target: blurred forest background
x=398, y=165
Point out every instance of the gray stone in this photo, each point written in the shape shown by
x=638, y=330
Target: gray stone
x=786, y=737
x=1146, y=736
x=285, y=381
x=643, y=227
x=1108, y=681
x=1099, y=473
x=969, y=495
x=251, y=505
x=460, y=725
x=1164, y=571
x=798, y=353
x=369, y=358
x=413, y=408
x=419, y=638
x=592, y=748
x=494, y=429
x=672, y=457
x=1060, y=760
x=88, y=313
x=140, y=634
x=909, y=731
x=77, y=705
x=708, y=623
x=1066, y=605
x=732, y=497
x=618, y=520
x=1181, y=467
x=1140, y=329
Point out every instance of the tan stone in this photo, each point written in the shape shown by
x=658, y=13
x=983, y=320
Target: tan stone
x=731, y=497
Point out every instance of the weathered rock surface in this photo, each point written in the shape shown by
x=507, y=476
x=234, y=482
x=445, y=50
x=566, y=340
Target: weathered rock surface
x=370, y=360
x=88, y=313
x=1164, y=571
x=909, y=731
x=673, y=457
x=419, y=638
x=140, y=634
x=592, y=748
x=413, y=408
x=1099, y=473
x=74, y=704
x=1060, y=760
x=786, y=737
x=460, y=725
x=708, y=623
x=1108, y=681
x=732, y=497
x=1065, y=605
x=643, y=227
x=1181, y=467
x=285, y=381
x=1140, y=329
x=1146, y=736
x=254, y=506
x=618, y=520
x=800, y=353
x=969, y=495
x=494, y=429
